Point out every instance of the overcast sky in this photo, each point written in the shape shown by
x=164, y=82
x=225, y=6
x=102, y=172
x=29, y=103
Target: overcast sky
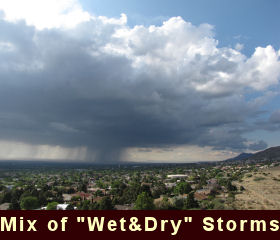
x=151, y=81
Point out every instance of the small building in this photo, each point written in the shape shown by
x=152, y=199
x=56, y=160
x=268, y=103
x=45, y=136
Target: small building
x=170, y=185
x=66, y=197
x=62, y=206
x=177, y=176
x=204, y=191
x=200, y=196
x=212, y=184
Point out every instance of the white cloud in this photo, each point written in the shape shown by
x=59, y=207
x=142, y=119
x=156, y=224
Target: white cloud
x=191, y=55
x=239, y=46
x=45, y=14
x=177, y=48
x=262, y=69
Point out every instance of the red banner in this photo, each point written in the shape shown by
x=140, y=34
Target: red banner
x=139, y=224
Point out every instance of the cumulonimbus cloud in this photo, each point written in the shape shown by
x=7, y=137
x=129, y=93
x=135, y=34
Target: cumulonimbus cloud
x=105, y=85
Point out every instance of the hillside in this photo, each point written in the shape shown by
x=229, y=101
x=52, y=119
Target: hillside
x=241, y=156
x=262, y=190
x=271, y=154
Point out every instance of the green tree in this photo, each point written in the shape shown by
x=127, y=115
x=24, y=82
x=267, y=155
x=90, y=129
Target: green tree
x=29, y=203
x=179, y=203
x=158, y=190
x=42, y=197
x=144, y=202
x=70, y=207
x=182, y=187
x=230, y=187
x=99, y=193
x=83, y=187
x=94, y=206
x=191, y=202
x=76, y=198
x=130, y=193
x=85, y=205
x=6, y=196
x=52, y=205
x=242, y=188
x=14, y=205
x=146, y=188
x=165, y=204
x=106, y=204
x=71, y=190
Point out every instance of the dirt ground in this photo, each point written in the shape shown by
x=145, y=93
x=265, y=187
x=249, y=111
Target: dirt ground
x=262, y=190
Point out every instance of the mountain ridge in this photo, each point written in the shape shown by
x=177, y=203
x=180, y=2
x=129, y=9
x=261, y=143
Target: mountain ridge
x=272, y=153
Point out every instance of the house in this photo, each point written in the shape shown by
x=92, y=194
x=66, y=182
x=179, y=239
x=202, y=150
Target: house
x=212, y=184
x=84, y=196
x=170, y=185
x=62, y=206
x=212, y=181
x=58, y=207
x=202, y=194
x=96, y=199
x=66, y=197
x=177, y=176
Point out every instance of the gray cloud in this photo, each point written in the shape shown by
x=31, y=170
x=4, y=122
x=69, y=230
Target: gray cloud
x=258, y=145
x=109, y=87
x=275, y=117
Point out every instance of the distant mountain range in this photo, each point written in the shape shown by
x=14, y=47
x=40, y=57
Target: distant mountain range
x=271, y=154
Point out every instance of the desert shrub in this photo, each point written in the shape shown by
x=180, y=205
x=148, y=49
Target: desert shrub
x=258, y=179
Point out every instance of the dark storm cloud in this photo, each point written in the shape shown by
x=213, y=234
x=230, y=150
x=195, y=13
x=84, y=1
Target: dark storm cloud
x=258, y=145
x=91, y=86
x=275, y=117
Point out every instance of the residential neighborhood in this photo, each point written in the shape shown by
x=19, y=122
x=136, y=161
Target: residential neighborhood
x=128, y=186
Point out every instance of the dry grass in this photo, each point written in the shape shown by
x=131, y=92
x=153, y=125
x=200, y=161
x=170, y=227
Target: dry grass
x=262, y=191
